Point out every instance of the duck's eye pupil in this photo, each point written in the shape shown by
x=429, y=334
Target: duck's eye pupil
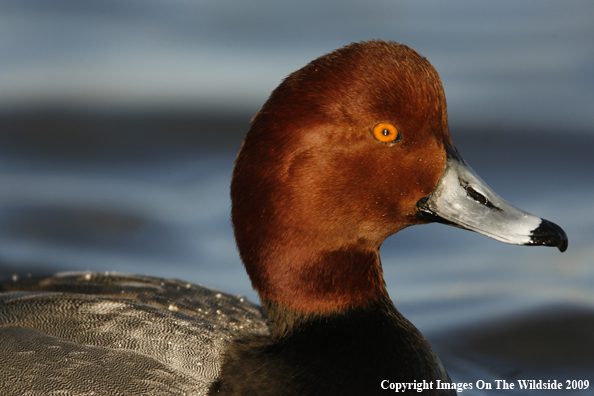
x=386, y=132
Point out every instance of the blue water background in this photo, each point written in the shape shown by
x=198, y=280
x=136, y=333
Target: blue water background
x=120, y=122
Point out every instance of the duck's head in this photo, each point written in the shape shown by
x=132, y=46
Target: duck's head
x=347, y=151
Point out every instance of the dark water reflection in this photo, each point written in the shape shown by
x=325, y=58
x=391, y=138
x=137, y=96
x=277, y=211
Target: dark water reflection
x=148, y=194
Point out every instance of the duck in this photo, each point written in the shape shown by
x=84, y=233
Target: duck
x=347, y=151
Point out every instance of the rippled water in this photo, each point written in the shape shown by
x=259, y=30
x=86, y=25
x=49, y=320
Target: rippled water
x=149, y=195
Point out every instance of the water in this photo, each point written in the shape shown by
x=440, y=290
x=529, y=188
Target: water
x=120, y=122
x=503, y=63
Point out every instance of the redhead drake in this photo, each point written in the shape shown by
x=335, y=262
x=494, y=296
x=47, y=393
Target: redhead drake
x=347, y=151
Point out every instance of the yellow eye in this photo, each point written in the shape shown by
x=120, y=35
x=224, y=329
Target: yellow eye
x=386, y=133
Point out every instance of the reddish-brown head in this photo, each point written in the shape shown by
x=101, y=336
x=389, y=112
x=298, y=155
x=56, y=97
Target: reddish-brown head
x=335, y=162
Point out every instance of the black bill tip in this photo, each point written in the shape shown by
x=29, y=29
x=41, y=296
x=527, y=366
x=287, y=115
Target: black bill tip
x=549, y=234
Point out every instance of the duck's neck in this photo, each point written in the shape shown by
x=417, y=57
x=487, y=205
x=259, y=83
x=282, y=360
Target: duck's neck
x=285, y=321
x=325, y=282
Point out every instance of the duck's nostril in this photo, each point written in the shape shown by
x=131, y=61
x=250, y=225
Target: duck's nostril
x=477, y=196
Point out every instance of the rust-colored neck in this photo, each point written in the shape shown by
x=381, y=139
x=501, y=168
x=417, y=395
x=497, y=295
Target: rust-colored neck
x=324, y=282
